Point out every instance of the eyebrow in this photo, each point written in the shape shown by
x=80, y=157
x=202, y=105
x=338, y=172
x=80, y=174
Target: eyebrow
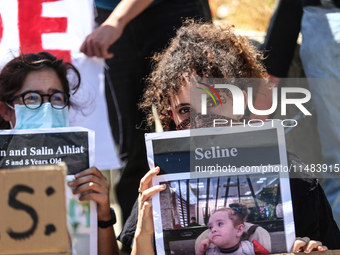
x=181, y=105
x=51, y=91
x=218, y=220
x=54, y=90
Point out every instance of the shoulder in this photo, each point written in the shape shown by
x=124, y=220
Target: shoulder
x=302, y=182
x=258, y=229
x=260, y=235
x=255, y=231
x=213, y=251
x=246, y=243
x=247, y=248
x=298, y=168
x=308, y=196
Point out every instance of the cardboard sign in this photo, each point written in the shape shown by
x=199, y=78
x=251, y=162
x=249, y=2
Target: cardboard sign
x=20, y=148
x=33, y=211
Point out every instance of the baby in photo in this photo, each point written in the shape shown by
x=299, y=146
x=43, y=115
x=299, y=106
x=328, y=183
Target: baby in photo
x=226, y=233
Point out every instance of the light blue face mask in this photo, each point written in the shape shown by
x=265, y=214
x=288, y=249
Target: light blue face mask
x=43, y=117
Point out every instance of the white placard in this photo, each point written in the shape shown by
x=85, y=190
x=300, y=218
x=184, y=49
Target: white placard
x=258, y=154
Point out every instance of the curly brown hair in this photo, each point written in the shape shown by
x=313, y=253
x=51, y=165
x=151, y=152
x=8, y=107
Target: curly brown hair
x=209, y=51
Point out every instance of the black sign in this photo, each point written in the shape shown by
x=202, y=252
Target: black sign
x=18, y=150
x=252, y=148
x=197, y=152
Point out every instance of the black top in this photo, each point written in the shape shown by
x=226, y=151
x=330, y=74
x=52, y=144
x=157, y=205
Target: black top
x=313, y=215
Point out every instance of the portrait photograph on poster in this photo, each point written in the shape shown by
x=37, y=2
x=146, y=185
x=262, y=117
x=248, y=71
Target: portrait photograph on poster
x=187, y=204
x=195, y=190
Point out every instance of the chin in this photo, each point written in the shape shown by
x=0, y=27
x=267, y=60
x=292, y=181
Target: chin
x=218, y=243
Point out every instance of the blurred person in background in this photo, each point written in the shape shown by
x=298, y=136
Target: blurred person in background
x=128, y=34
x=319, y=21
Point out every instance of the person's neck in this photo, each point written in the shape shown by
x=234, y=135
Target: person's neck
x=230, y=249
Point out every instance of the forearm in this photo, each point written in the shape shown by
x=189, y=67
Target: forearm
x=142, y=245
x=107, y=243
x=126, y=11
x=145, y=228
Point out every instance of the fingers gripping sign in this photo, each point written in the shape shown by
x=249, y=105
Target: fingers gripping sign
x=306, y=245
x=91, y=184
x=146, y=192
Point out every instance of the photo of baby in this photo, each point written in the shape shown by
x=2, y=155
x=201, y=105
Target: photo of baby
x=226, y=235
x=235, y=214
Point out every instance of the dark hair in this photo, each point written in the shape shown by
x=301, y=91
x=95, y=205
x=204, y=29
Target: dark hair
x=14, y=73
x=209, y=51
x=240, y=208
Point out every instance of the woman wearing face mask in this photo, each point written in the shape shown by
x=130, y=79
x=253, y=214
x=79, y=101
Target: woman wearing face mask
x=206, y=51
x=35, y=93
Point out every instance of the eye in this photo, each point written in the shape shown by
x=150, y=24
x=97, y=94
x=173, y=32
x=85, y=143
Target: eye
x=210, y=227
x=220, y=224
x=32, y=98
x=211, y=103
x=58, y=99
x=184, y=110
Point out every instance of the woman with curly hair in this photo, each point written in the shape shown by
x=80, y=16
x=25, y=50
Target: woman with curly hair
x=198, y=51
x=202, y=51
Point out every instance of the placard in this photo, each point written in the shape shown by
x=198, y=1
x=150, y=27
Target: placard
x=82, y=222
x=33, y=212
x=248, y=174
x=73, y=145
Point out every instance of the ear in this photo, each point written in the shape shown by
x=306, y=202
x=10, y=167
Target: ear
x=171, y=113
x=240, y=230
x=5, y=111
